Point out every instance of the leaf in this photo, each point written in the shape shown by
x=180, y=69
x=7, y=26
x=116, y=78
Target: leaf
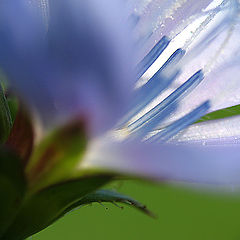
x=111, y=197
x=21, y=138
x=55, y=159
x=12, y=188
x=101, y=196
x=5, y=117
x=220, y=114
x=46, y=206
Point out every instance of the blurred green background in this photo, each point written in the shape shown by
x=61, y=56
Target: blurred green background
x=182, y=214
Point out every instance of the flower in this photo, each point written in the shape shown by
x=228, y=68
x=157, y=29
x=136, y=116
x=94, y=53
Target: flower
x=117, y=87
x=76, y=62
x=198, y=78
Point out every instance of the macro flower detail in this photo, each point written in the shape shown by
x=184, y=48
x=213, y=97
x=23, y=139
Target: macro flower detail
x=108, y=88
x=155, y=141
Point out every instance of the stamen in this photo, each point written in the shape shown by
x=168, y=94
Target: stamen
x=158, y=83
x=151, y=57
x=185, y=88
x=149, y=126
x=174, y=128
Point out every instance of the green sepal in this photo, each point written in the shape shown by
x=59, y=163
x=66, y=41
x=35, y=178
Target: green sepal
x=56, y=157
x=46, y=206
x=12, y=188
x=5, y=117
x=114, y=197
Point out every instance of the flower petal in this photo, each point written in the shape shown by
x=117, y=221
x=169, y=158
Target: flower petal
x=214, y=132
x=193, y=164
x=80, y=67
x=159, y=18
x=221, y=88
x=217, y=56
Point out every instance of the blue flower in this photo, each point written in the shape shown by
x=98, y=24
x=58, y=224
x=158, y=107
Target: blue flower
x=80, y=60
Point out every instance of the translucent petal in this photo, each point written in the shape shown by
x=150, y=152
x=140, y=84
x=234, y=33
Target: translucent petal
x=219, y=60
x=164, y=18
x=208, y=165
x=214, y=132
x=79, y=67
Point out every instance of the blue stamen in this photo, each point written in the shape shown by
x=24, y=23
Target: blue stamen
x=154, y=86
x=158, y=83
x=154, y=122
x=185, y=88
x=152, y=56
x=182, y=123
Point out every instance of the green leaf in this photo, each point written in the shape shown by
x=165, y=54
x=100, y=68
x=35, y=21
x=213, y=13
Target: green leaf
x=44, y=207
x=111, y=197
x=5, y=117
x=221, y=114
x=12, y=188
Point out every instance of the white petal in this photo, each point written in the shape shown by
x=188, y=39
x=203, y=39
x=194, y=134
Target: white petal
x=221, y=87
x=159, y=18
x=214, y=132
x=220, y=60
x=207, y=165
